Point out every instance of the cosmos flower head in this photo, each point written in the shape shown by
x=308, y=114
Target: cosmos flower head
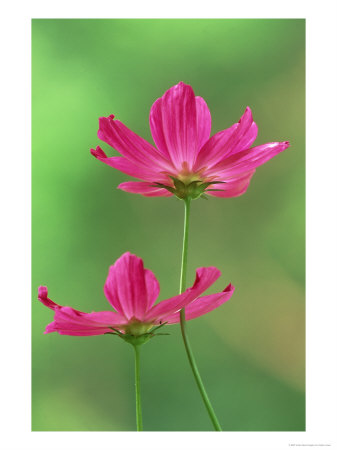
x=185, y=160
x=132, y=291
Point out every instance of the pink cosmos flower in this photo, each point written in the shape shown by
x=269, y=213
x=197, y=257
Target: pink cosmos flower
x=180, y=122
x=132, y=291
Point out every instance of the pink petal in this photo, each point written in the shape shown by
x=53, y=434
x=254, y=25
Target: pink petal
x=69, y=321
x=232, y=187
x=204, y=121
x=147, y=189
x=203, y=305
x=79, y=319
x=243, y=132
x=247, y=139
x=75, y=323
x=205, y=277
x=173, y=122
x=239, y=136
x=125, y=287
x=52, y=327
x=214, y=148
x=43, y=297
x=130, y=145
x=152, y=288
x=128, y=167
x=157, y=128
x=247, y=160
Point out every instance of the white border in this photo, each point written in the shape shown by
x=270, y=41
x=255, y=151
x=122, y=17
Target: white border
x=321, y=224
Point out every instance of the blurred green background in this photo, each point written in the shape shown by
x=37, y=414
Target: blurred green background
x=251, y=351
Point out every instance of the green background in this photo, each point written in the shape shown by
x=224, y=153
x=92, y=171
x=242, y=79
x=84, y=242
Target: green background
x=250, y=351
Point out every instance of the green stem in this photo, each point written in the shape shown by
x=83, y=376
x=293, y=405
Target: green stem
x=183, y=271
x=137, y=383
x=187, y=344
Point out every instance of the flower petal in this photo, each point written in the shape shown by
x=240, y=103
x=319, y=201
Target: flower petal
x=128, y=167
x=52, y=327
x=214, y=148
x=203, y=305
x=69, y=320
x=232, y=187
x=205, y=277
x=238, y=137
x=247, y=139
x=204, y=121
x=152, y=288
x=130, y=145
x=249, y=159
x=125, y=287
x=43, y=297
x=75, y=323
x=157, y=128
x=147, y=189
x=173, y=122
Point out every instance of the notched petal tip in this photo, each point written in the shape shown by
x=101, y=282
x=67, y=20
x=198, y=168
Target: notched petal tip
x=210, y=272
x=127, y=256
x=281, y=146
x=103, y=123
x=229, y=288
x=43, y=292
x=247, y=115
x=182, y=84
x=43, y=298
x=104, y=118
x=179, y=88
x=98, y=152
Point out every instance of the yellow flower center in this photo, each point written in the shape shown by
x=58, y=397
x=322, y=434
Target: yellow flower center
x=186, y=176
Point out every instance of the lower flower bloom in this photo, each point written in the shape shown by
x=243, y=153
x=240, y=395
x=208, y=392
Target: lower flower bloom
x=132, y=291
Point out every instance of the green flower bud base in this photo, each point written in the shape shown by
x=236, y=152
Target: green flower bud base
x=188, y=189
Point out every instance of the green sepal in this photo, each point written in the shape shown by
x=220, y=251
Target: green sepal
x=163, y=186
x=139, y=339
x=178, y=183
x=192, y=190
x=216, y=182
x=115, y=331
x=157, y=328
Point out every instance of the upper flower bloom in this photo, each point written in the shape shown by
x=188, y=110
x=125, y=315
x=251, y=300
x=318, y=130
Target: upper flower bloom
x=185, y=154
x=132, y=291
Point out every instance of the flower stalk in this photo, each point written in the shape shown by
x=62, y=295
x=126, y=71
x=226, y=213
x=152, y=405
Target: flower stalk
x=187, y=344
x=139, y=416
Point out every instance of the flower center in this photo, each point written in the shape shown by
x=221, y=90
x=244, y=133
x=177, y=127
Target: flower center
x=187, y=184
x=186, y=176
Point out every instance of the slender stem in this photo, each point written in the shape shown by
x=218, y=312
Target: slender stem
x=187, y=344
x=183, y=271
x=137, y=383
